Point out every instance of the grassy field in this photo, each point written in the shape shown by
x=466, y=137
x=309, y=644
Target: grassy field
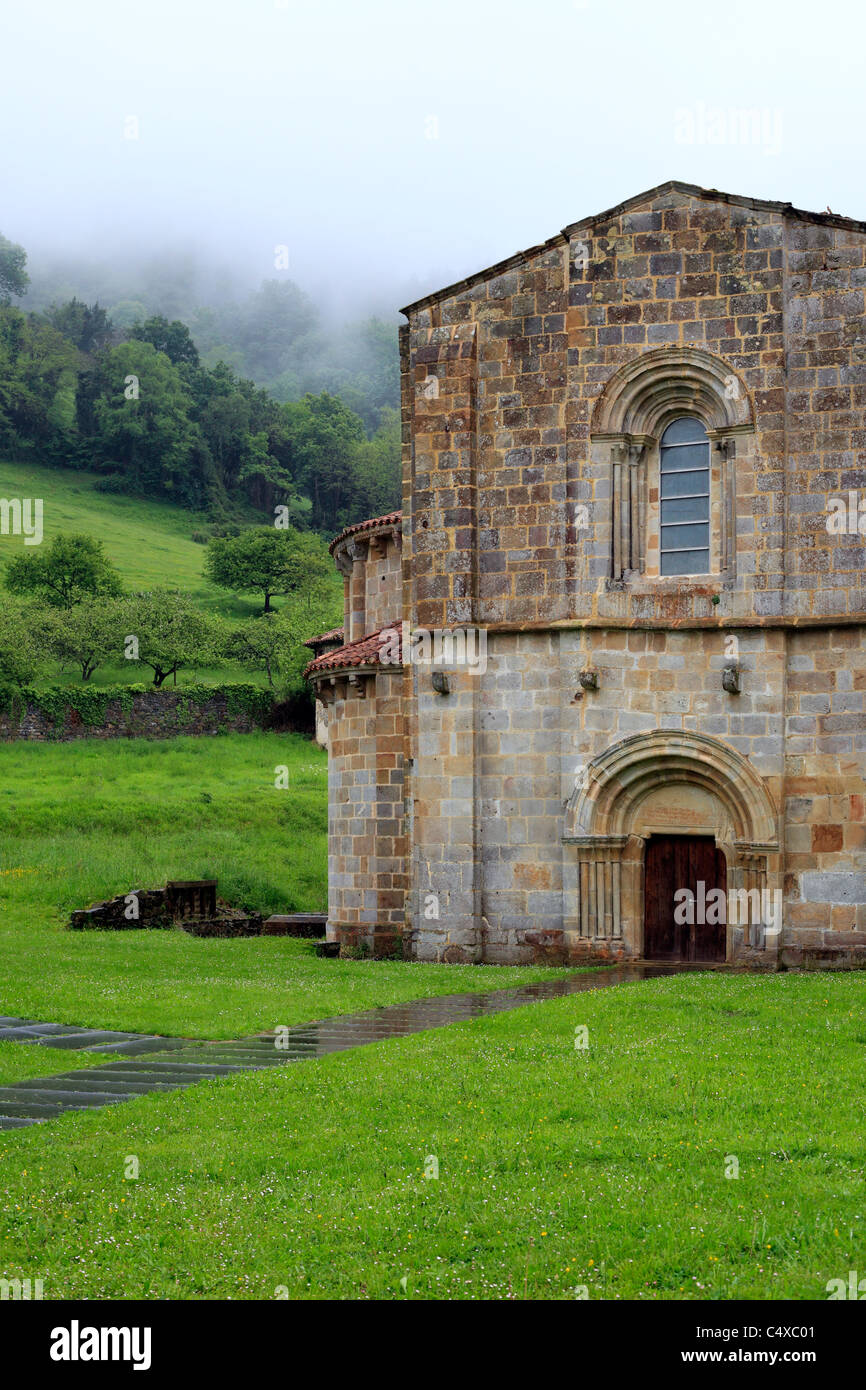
x=21, y=1061
x=559, y=1170
x=150, y=543
x=80, y=822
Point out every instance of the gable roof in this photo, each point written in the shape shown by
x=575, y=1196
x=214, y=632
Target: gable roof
x=688, y=190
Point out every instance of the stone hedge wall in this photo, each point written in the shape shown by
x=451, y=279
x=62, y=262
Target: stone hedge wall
x=139, y=714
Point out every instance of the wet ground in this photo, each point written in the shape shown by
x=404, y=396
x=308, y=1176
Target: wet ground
x=152, y=1063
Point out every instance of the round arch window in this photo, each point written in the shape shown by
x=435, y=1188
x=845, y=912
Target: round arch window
x=684, y=495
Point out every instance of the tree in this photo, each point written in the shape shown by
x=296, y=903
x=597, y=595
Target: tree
x=21, y=650
x=325, y=435
x=87, y=635
x=260, y=643
x=87, y=326
x=126, y=313
x=268, y=561
x=37, y=384
x=173, y=338
x=301, y=619
x=275, y=328
x=378, y=468
x=167, y=631
x=13, y=275
x=274, y=642
x=140, y=415
x=65, y=572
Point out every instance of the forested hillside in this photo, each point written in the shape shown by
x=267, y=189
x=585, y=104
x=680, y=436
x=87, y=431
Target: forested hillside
x=243, y=404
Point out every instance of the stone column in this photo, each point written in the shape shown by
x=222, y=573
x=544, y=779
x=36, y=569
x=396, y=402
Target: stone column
x=629, y=506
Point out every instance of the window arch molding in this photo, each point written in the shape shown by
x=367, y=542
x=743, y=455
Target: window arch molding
x=644, y=395
x=639, y=401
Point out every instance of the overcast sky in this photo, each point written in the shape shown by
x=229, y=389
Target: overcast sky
x=398, y=145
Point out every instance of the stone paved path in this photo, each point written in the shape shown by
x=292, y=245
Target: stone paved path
x=151, y=1063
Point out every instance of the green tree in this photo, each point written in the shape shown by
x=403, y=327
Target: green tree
x=378, y=468
x=22, y=652
x=261, y=643
x=13, y=274
x=87, y=326
x=170, y=632
x=173, y=338
x=274, y=642
x=65, y=572
x=269, y=561
x=275, y=328
x=87, y=635
x=126, y=313
x=141, y=418
x=325, y=435
x=37, y=381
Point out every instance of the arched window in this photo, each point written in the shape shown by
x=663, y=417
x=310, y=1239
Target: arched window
x=684, y=498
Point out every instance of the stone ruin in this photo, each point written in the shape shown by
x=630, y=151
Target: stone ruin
x=193, y=905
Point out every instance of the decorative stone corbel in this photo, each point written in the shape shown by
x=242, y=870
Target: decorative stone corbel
x=343, y=561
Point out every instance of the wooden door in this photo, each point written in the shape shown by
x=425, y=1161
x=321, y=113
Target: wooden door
x=675, y=862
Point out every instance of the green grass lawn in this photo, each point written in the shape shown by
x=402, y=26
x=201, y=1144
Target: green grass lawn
x=21, y=1061
x=80, y=822
x=558, y=1169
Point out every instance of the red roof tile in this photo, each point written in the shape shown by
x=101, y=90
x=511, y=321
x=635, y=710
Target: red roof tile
x=366, y=651
x=335, y=635
x=389, y=519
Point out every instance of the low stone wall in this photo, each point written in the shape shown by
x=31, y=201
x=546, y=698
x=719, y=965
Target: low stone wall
x=193, y=906
x=189, y=903
x=135, y=712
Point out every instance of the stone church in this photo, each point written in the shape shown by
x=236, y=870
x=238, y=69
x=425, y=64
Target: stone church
x=600, y=691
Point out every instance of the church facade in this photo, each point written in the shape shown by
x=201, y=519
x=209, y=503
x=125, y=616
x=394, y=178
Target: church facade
x=601, y=692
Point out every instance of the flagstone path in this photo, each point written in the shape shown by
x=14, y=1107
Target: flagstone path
x=152, y=1063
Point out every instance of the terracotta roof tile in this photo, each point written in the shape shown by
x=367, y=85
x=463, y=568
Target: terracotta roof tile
x=367, y=651
x=335, y=635
x=389, y=519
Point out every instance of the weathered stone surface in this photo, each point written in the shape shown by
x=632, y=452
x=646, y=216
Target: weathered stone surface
x=534, y=399
x=192, y=905
x=152, y=714
x=308, y=924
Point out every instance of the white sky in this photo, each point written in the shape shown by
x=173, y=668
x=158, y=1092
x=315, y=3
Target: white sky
x=271, y=122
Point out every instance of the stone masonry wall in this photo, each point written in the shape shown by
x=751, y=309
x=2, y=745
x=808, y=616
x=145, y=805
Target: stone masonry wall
x=153, y=714
x=382, y=573
x=498, y=760
x=366, y=837
x=510, y=384
x=825, y=791
x=502, y=451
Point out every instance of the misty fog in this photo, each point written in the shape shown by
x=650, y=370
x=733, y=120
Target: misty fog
x=373, y=152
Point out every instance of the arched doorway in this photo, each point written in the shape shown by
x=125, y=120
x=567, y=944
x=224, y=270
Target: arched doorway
x=713, y=823
x=685, y=897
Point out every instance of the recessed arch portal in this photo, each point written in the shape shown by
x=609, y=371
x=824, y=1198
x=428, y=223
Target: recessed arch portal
x=617, y=780
x=664, y=782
